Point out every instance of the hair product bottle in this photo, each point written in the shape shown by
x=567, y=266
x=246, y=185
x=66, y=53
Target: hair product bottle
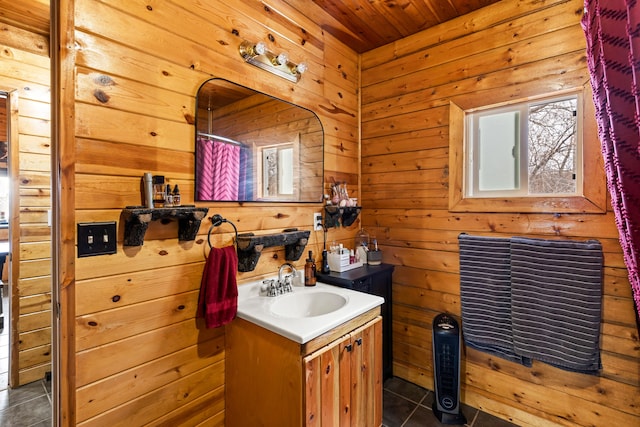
x=176, y=196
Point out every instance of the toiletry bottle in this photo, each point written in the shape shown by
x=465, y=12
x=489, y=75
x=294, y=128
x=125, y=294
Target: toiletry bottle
x=158, y=191
x=168, y=197
x=325, y=263
x=176, y=196
x=310, y=271
x=148, y=190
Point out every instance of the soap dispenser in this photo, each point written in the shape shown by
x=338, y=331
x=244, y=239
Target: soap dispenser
x=310, y=271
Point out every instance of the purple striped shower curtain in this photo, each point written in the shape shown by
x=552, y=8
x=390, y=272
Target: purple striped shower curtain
x=612, y=30
x=218, y=168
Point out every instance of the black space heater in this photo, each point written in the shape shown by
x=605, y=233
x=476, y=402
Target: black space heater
x=446, y=367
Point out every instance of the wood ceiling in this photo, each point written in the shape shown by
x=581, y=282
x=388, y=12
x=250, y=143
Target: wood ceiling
x=367, y=24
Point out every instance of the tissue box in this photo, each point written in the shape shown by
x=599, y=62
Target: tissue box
x=340, y=262
x=374, y=257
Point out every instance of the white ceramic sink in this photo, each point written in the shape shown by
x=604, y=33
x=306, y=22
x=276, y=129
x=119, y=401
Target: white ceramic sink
x=307, y=304
x=307, y=312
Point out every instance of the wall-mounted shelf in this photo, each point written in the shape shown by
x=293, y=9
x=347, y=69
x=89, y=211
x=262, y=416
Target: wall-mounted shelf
x=345, y=215
x=137, y=219
x=250, y=246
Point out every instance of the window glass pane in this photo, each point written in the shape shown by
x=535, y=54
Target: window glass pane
x=497, y=152
x=552, y=147
x=285, y=171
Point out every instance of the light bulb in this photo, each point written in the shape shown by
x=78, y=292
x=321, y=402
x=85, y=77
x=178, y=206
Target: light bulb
x=302, y=68
x=282, y=58
x=260, y=48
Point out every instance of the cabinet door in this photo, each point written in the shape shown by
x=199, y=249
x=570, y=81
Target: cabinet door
x=366, y=375
x=327, y=394
x=343, y=381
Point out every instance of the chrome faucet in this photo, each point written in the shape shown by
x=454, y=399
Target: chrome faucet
x=294, y=272
x=286, y=283
x=271, y=288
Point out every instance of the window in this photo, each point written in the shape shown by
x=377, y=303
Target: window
x=520, y=168
x=526, y=149
x=277, y=171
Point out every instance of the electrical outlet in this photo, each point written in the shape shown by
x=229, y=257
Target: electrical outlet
x=96, y=238
x=317, y=221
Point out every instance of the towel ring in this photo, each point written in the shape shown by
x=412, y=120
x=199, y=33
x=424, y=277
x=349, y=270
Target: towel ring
x=216, y=221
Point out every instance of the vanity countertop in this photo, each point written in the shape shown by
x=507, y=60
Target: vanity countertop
x=299, y=315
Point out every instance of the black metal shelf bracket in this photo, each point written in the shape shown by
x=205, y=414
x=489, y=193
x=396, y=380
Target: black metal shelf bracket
x=137, y=218
x=250, y=246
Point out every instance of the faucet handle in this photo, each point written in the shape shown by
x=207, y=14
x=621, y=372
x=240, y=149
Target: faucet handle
x=268, y=288
x=286, y=286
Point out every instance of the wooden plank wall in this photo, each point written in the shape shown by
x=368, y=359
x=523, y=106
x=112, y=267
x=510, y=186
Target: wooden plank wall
x=512, y=49
x=141, y=356
x=24, y=68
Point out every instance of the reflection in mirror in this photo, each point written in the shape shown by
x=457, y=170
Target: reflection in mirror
x=253, y=147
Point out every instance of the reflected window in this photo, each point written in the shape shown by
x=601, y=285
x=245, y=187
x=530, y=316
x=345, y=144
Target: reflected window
x=277, y=171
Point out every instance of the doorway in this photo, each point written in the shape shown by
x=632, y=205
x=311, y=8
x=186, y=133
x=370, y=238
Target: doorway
x=25, y=264
x=5, y=339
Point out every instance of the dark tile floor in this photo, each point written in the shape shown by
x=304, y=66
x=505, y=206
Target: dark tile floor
x=26, y=406
x=408, y=405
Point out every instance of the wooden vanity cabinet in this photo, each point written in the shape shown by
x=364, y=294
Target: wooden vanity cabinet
x=333, y=380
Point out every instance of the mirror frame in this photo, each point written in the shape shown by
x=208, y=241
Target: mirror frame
x=256, y=164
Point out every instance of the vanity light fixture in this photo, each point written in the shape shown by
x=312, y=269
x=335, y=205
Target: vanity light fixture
x=257, y=54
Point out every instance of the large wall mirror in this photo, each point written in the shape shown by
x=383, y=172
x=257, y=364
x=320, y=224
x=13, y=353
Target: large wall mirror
x=253, y=147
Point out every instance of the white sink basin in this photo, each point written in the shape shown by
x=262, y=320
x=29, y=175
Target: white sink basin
x=306, y=304
x=307, y=312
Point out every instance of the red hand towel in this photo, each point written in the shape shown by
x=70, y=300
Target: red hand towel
x=218, y=300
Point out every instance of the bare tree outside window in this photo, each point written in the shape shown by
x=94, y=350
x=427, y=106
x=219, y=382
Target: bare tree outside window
x=552, y=147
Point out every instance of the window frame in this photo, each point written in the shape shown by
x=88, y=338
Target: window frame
x=594, y=186
x=521, y=109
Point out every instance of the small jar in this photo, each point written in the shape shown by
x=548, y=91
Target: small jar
x=168, y=197
x=362, y=238
x=159, y=191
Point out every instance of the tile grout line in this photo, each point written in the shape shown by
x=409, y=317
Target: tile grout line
x=414, y=410
x=405, y=397
x=475, y=417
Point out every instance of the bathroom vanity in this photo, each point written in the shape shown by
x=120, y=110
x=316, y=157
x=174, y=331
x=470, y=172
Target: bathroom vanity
x=278, y=377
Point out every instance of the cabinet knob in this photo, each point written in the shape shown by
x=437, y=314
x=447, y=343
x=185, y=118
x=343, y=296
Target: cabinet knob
x=348, y=347
x=359, y=341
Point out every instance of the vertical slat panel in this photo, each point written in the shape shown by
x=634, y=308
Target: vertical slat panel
x=330, y=387
x=313, y=391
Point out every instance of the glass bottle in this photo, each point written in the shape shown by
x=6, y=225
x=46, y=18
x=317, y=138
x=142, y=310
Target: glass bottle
x=310, y=271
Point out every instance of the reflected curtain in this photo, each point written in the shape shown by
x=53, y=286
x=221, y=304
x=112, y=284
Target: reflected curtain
x=612, y=30
x=204, y=169
x=226, y=170
x=218, y=168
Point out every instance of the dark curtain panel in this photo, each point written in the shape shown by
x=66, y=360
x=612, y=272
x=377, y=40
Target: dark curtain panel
x=612, y=30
